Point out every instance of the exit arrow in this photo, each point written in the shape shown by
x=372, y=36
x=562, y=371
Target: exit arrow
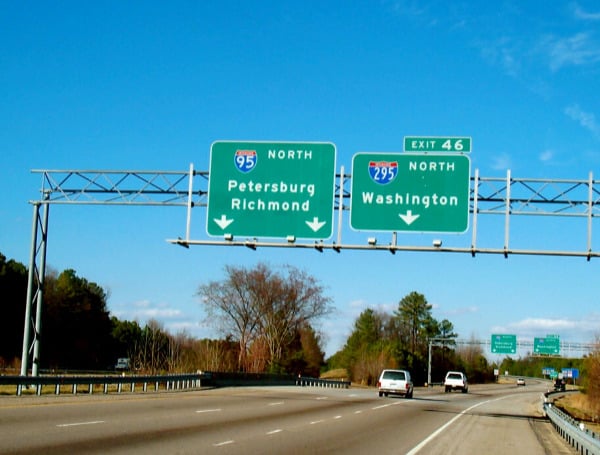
x=409, y=217
x=315, y=224
x=223, y=222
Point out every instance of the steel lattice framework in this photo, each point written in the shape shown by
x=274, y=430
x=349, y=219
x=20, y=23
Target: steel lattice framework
x=505, y=198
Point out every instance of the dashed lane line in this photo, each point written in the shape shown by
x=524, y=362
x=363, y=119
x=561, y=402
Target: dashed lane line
x=76, y=424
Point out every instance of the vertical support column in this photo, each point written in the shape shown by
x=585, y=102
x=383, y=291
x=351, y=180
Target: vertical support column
x=340, y=206
x=429, y=366
x=507, y=214
x=589, y=217
x=40, y=294
x=190, y=203
x=475, y=210
x=29, y=299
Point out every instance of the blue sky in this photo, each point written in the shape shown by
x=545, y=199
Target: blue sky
x=150, y=86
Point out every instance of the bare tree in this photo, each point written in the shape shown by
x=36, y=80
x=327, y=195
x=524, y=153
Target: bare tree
x=290, y=301
x=150, y=354
x=259, y=304
x=231, y=304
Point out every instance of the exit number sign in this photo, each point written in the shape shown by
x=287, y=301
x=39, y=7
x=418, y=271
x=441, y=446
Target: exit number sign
x=437, y=144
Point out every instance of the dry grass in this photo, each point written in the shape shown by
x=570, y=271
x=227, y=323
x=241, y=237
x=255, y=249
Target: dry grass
x=577, y=405
x=340, y=373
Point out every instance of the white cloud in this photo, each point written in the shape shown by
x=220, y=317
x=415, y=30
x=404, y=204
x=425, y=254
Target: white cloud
x=547, y=155
x=585, y=119
x=409, y=8
x=144, y=310
x=141, y=304
x=501, y=162
x=463, y=310
x=502, y=53
x=579, y=49
x=582, y=330
x=541, y=324
x=581, y=14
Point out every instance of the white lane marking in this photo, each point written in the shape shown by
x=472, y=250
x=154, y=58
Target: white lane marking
x=357, y=412
x=381, y=406
x=76, y=424
x=321, y=398
x=224, y=443
x=337, y=417
x=316, y=421
x=276, y=403
x=423, y=443
x=278, y=430
x=207, y=410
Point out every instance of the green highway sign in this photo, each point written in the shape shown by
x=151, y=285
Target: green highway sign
x=410, y=192
x=437, y=144
x=549, y=345
x=504, y=344
x=271, y=189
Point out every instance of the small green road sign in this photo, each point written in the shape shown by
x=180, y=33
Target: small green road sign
x=410, y=192
x=271, y=189
x=550, y=345
x=504, y=344
x=437, y=144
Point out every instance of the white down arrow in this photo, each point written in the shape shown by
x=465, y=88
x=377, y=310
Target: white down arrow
x=409, y=218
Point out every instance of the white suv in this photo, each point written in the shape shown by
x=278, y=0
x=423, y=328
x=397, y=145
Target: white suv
x=395, y=382
x=455, y=380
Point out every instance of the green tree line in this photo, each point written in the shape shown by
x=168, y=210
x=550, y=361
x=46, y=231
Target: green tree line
x=402, y=340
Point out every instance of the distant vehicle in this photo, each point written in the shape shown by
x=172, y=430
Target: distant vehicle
x=559, y=385
x=456, y=380
x=520, y=381
x=122, y=364
x=395, y=382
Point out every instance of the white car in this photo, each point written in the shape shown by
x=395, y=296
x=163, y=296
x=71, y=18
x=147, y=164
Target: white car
x=520, y=381
x=456, y=380
x=395, y=382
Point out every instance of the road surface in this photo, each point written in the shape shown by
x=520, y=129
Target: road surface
x=490, y=419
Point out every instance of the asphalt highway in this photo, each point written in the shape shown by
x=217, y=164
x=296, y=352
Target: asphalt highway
x=489, y=419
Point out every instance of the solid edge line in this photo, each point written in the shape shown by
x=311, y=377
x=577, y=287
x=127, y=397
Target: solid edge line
x=426, y=441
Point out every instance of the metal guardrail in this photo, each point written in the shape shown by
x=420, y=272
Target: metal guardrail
x=88, y=383
x=582, y=439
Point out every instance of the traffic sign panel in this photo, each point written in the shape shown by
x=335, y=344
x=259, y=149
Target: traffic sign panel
x=410, y=192
x=504, y=344
x=437, y=144
x=271, y=189
x=549, y=345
